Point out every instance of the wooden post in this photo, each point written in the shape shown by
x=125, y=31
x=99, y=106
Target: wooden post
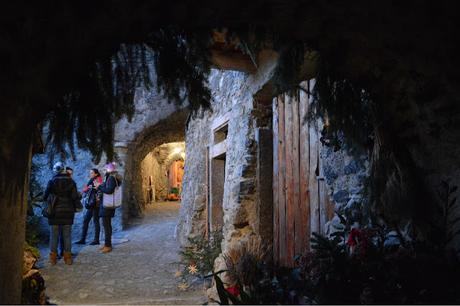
x=208, y=193
x=290, y=184
x=304, y=168
x=275, y=182
x=298, y=227
x=282, y=182
x=313, y=181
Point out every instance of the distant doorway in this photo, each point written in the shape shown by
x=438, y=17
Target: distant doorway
x=175, y=175
x=162, y=171
x=216, y=162
x=217, y=179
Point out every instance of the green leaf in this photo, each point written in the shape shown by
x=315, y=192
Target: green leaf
x=246, y=298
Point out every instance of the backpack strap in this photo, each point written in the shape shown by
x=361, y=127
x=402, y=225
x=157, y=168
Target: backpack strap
x=116, y=181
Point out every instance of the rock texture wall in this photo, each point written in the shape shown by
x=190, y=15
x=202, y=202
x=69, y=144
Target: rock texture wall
x=245, y=215
x=153, y=180
x=192, y=220
x=346, y=177
x=233, y=95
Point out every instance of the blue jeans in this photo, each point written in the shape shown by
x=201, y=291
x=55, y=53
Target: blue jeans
x=107, y=223
x=54, y=237
x=94, y=214
x=61, y=241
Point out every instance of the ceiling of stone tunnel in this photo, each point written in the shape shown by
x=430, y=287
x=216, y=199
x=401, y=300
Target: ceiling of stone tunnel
x=169, y=152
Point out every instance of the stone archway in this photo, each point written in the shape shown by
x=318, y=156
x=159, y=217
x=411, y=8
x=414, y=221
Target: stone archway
x=167, y=130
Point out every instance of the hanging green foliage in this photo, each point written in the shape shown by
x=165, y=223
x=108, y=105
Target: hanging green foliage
x=182, y=65
x=87, y=114
x=346, y=106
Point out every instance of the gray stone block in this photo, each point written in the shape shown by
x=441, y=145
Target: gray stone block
x=341, y=196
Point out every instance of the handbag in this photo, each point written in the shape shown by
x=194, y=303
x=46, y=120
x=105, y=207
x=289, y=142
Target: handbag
x=89, y=199
x=48, y=206
x=113, y=200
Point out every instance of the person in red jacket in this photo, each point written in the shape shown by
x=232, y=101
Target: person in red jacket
x=92, y=203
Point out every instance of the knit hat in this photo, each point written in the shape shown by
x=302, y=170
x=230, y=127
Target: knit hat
x=58, y=167
x=110, y=167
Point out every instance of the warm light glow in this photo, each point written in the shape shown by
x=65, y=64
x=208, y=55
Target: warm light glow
x=177, y=150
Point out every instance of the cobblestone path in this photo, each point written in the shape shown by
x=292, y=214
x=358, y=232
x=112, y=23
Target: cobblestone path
x=138, y=271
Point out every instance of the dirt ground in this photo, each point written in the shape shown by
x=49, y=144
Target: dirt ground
x=140, y=269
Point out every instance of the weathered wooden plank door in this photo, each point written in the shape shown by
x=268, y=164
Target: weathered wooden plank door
x=301, y=203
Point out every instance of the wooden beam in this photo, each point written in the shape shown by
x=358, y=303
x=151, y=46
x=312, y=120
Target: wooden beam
x=313, y=181
x=290, y=184
x=298, y=227
x=282, y=182
x=220, y=121
x=275, y=182
x=232, y=60
x=304, y=169
x=218, y=149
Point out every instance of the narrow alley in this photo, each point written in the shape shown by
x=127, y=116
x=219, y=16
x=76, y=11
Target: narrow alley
x=140, y=270
x=233, y=152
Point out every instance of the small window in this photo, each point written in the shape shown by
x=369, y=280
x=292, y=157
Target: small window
x=220, y=133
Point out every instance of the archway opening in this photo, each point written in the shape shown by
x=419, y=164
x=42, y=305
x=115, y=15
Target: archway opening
x=155, y=166
x=162, y=170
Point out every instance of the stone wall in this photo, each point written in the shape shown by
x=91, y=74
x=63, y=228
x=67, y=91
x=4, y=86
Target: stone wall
x=247, y=199
x=192, y=219
x=153, y=180
x=346, y=176
x=233, y=95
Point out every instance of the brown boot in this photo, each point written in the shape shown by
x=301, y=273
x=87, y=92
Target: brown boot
x=106, y=249
x=68, y=258
x=53, y=258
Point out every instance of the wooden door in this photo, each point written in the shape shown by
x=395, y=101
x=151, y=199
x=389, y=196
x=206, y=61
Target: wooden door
x=300, y=197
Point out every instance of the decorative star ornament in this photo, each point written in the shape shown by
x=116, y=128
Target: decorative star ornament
x=183, y=286
x=192, y=269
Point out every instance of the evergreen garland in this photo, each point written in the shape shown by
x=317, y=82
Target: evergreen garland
x=347, y=106
x=89, y=112
x=97, y=102
x=287, y=74
x=182, y=64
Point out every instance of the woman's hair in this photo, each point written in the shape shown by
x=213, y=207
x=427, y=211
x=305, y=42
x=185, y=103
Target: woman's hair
x=96, y=171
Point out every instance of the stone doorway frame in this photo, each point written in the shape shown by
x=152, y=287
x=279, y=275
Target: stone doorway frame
x=216, y=163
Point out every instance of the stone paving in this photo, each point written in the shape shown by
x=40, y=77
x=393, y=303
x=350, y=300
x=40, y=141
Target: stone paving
x=140, y=269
